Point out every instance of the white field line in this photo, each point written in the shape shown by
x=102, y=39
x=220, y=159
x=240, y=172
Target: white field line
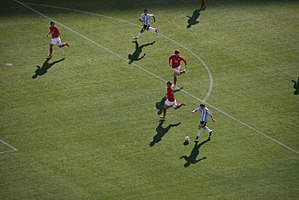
x=13, y=149
x=165, y=37
x=158, y=77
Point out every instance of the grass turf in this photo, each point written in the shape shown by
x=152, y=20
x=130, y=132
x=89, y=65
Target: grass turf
x=84, y=128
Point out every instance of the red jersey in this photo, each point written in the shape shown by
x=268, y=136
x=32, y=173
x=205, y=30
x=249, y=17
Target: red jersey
x=54, y=31
x=176, y=61
x=170, y=94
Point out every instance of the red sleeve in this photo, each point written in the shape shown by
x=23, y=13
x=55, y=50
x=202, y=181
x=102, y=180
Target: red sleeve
x=169, y=59
x=183, y=59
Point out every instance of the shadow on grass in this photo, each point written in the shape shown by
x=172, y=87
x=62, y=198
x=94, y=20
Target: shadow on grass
x=160, y=105
x=41, y=70
x=138, y=49
x=193, y=19
x=296, y=86
x=161, y=132
x=191, y=159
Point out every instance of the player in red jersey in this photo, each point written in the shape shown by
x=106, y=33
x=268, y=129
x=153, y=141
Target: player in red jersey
x=55, y=38
x=175, y=62
x=170, y=100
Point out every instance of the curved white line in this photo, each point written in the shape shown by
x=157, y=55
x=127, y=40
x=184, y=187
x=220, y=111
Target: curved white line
x=141, y=68
x=127, y=22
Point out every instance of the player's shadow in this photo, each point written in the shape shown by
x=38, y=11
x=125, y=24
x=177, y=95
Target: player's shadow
x=296, y=86
x=41, y=70
x=161, y=132
x=191, y=159
x=193, y=19
x=138, y=50
x=160, y=105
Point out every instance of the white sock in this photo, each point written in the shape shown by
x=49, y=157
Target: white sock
x=207, y=128
x=198, y=133
x=152, y=29
x=139, y=35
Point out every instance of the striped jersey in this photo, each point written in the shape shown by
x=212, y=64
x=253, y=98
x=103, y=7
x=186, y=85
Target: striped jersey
x=204, y=113
x=146, y=18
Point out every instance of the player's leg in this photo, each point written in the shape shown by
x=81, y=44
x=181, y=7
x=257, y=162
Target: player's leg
x=177, y=106
x=60, y=44
x=183, y=72
x=176, y=72
x=174, y=79
x=209, y=130
x=198, y=132
x=140, y=33
x=201, y=125
x=166, y=104
x=154, y=30
x=50, y=50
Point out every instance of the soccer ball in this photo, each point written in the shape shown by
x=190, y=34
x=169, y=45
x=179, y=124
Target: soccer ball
x=187, y=140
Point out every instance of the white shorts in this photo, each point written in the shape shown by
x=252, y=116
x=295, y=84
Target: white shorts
x=177, y=69
x=56, y=41
x=170, y=103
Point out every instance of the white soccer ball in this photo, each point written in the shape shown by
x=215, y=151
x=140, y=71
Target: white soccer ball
x=187, y=138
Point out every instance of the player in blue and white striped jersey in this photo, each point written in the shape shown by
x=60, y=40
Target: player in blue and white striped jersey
x=145, y=19
x=204, y=114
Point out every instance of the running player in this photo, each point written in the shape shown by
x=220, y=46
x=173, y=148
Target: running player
x=170, y=101
x=55, y=38
x=145, y=19
x=175, y=62
x=204, y=113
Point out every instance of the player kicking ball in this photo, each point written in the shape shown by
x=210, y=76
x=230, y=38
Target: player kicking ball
x=204, y=113
x=170, y=100
x=145, y=19
x=55, y=38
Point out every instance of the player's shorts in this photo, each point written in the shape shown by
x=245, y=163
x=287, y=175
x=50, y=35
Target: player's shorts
x=177, y=69
x=56, y=41
x=202, y=124
x=170, y=103
x=146, y=27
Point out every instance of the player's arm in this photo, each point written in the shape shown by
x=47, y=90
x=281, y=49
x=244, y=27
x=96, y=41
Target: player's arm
x=212, y=118
x=141, y=18
x=154, y=18
x=195, y=110
x=178, y=89
x=184, y=60
x=49, y=33
x=169, y=60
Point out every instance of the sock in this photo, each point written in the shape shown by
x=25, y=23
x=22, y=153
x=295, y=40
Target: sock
x=139, y=35
x=62, y=45
x=174, y=79
x=202, y=3
x=207, y=128
x=164, y=112
x=198, y=132
x=152, y=29
x=180, y=105
x=51, y=50
x=181, y=72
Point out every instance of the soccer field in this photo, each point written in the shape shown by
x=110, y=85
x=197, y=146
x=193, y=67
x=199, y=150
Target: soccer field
x=85, y=124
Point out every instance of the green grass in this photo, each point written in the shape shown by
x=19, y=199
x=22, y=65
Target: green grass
x=83, y=129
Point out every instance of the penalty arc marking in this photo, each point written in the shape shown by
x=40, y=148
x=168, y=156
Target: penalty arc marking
x=132, y=24
x=158, y=77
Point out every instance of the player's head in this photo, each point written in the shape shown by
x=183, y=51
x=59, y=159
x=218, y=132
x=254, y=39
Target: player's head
x=145, y=11
x=52, y=23
x=169, y=83
x=202, y=106
x=176, y=52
